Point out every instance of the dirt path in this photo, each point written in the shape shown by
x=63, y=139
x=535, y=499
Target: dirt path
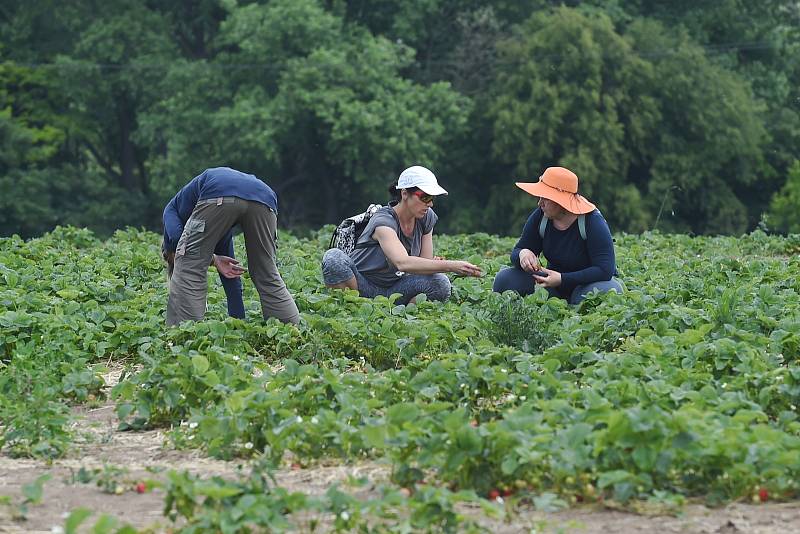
x=144, y=455
x=140, y=456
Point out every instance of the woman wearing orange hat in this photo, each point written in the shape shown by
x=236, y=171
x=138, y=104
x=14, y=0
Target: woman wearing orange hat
x=571, y=233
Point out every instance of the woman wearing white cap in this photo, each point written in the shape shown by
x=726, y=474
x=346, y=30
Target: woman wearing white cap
x=571, y=233
x=394, y=253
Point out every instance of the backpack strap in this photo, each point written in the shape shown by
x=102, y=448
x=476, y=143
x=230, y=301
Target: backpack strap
x=397, y=220
x=372, y=243
x=581, y=226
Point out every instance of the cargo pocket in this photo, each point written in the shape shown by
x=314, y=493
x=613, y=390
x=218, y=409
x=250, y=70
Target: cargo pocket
x=190, y=237
x=275, y=235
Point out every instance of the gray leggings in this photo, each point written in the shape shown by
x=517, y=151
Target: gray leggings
x=338, y=267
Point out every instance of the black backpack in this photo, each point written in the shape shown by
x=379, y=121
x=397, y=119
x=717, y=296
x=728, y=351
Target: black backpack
x=346, y=235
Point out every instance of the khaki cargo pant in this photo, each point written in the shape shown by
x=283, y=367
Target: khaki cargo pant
x=209, y=222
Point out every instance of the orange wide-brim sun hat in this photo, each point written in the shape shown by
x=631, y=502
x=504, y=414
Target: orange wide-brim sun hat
x=561, y=186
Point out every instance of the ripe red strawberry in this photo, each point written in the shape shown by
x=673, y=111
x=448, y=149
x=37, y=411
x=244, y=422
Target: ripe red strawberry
x=507, y=492
x=141, y=487
x=493, y=495
x=763, y=494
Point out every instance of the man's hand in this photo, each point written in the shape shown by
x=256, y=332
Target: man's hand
x=529, y=261
x=228, y=267
x=169, y=257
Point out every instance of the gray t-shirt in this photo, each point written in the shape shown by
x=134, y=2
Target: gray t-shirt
x=372, y=262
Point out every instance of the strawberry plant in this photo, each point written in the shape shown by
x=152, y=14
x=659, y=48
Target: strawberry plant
x=682, y=387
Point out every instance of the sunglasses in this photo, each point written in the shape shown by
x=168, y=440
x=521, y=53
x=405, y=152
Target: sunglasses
x=423, y=196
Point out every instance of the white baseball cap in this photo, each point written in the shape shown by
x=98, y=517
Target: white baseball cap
x=422, y=178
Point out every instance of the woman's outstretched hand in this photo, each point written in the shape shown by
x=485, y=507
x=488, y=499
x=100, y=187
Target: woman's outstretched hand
x=465, y=268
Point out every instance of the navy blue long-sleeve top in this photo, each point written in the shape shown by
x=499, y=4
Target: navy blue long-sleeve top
x=579, y=262
x=215, y=183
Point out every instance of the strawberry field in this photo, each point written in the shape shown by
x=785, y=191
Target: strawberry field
x=684, y=389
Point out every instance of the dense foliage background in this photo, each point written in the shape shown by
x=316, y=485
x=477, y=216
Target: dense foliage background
x=682, y=116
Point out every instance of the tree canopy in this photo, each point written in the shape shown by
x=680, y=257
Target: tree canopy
x=681, y=116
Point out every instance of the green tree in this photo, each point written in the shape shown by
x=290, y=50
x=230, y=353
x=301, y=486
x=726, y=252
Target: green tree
x=706, y=153
x=570, y=91
x=111, y=75
x=642, y=117
x=784, y=210
x=194, y=24
x=683, y=114
x=43, y=175
x=104, y=61
x=320, y=110
x=760, y=41
x=30, y=143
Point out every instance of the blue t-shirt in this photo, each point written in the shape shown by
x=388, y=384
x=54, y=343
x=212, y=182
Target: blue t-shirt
x=215, y=183
x=579, y=261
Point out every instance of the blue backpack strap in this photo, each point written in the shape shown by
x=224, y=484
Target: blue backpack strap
x=542, y=225
x=581, y=226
